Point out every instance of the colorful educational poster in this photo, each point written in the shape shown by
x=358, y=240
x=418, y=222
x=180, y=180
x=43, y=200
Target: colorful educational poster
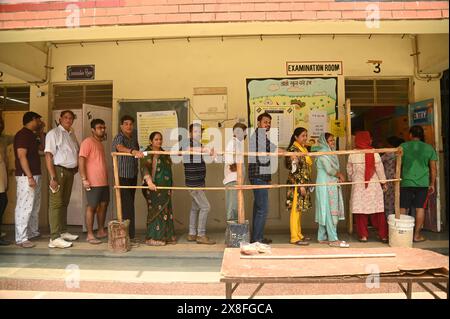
x=282, y=120
x=161, y=121
x=304, y=95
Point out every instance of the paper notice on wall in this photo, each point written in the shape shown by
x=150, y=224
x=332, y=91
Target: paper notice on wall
x=318, y=122
x=282, y=119
x=161, y=121
x=337, y=128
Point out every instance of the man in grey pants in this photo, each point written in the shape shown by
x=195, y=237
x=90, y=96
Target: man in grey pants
x=195, y=173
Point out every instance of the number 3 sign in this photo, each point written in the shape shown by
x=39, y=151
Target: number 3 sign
x=376, y=65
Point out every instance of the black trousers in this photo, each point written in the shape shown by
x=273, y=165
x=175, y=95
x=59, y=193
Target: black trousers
x=3, y=204
x=127, y=195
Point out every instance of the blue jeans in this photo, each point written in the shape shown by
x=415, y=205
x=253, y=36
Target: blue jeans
x=260, y=209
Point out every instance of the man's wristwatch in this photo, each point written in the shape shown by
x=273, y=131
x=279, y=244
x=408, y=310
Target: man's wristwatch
x=53, y=178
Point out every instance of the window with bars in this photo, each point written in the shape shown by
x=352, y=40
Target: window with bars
x=14, y=98
x=377, y=92
x=74, y=96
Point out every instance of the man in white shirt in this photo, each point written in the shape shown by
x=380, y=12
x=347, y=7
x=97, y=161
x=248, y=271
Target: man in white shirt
x=236, y=146
x=61, y=156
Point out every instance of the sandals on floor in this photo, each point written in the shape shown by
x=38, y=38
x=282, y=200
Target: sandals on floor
x=301, y=243
x=419, y=240
x=94, y=241
x=362, y=240
x=152, y=242
x=340, y=244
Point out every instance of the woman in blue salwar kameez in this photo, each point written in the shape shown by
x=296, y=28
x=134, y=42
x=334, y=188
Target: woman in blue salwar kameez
x=329, y=204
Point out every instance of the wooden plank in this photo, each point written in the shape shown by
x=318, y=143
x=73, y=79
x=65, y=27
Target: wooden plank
x=240, y=194
x=334, y=256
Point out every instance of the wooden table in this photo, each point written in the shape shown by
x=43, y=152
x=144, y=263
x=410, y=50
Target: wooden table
x=410, y=265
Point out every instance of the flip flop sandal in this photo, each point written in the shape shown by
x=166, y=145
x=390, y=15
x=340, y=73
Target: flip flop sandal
x=301, y=243
x=419, y=240
x=341, y=244
x=152, y=242
x=362, y=240
x=94, y=241
x=101, y=237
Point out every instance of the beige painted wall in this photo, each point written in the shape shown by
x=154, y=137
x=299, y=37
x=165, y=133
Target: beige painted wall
x=172, y=68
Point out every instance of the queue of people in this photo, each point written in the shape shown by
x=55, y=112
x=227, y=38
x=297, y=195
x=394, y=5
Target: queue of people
x=371, y=198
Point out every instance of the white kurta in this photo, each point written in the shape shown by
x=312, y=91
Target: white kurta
x=365, y=200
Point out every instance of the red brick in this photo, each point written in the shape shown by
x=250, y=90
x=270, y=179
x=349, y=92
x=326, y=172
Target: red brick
x=37, y=23
x=354, y=14
x=341, y=6
x=57, y=23
x=14, y=24
x=106, y=20
x=117, y=11
x=51, y=14
x=166, y=9
x=217, y=7
x=191, y=8
x=391, y=5
x=328, y=15
x=429, y=14
x=142, y=10
x=385, y=15
x=17, y=16
x=203, y=17
x=178, y=17
x=426, y=5
x=304, y=15
x=107, y=3
x=100, y=12
x=253, y=16
x=133, y=3
x=268, y=7
x=292, y=6
x=154, y=18
x=130, y=19
x=410, y=14
x=232, y=16
x=278, y=16
x=445, y=13
x=87, y=21
x=316, y=6
x=181, y=1
x=242, y=7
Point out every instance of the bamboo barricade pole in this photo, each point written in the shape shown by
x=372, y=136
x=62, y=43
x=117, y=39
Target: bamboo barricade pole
x=118, y=236
x=117, y=183
x=250, y=187
x=312, y=154
x=240, y=194
x=348, y=145
x=398, y=173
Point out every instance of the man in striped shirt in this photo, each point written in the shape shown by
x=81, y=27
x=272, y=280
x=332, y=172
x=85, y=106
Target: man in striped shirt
x=195, y=173
x=126, y=142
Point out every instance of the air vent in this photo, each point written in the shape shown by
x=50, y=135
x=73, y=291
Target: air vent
x=73, y=96
x=387, y=92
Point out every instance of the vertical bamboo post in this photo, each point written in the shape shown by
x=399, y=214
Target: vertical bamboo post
x=117, y=190
x=240, y=194
x=348, y=144
x=398, y=174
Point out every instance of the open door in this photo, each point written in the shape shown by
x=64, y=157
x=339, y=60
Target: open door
x=91, y=112
x=423, y=113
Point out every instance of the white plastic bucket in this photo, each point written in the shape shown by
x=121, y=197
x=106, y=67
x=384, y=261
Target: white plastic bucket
x=401, y=231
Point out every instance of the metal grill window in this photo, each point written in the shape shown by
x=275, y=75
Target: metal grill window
x=14, y=98
x=388, y=92
x=74, y=96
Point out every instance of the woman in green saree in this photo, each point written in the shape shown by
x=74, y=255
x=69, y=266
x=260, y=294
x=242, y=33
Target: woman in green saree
x=156, y=171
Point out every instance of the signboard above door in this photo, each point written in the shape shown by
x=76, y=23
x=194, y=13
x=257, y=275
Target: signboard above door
x=314, y=68
x=81, y=72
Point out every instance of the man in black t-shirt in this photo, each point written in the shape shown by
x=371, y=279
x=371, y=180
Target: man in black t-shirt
x=28, y=179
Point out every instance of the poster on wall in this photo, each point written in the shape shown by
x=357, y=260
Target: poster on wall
x=161, y=121
x=282, y=119
x=305, y=96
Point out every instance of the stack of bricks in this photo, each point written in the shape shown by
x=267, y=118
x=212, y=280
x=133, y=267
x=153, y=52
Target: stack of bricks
x=28, y=14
